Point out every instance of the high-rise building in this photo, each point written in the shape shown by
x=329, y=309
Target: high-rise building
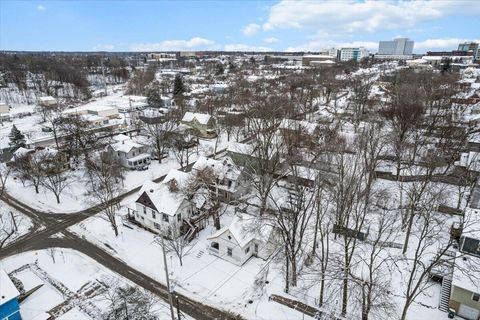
x=346, y=54
x=397, y=47
x=470, y=46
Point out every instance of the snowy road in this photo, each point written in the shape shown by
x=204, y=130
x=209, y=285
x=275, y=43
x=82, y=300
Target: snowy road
x=48, y=226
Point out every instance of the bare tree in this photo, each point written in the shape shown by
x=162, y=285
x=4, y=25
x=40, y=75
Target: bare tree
x=57, y=180
x=430, y=249
x=127, y=302
x=104, y=177
x=162, y=136
x=4, y=174
x=183, y=148
x=371, y=270
x=203, y=184
x=348, y=193
x=292, y=215
x=8, y=226
x=28, y=167
x=175, y=242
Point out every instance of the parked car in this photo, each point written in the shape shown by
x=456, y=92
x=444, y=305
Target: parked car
x=142, y=168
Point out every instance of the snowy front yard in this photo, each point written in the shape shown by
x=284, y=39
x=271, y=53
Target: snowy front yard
x=13, y=224
x=70, y=285
x=204, y=277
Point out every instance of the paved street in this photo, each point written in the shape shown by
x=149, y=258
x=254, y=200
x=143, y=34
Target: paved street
x=45, y=225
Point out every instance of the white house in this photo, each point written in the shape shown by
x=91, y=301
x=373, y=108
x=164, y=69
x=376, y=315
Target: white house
x=230, y=182
x=130, y=154
x=203, y=123
x=162, y=206
x=103, y=111
x=241, y=240
x=4, y=108
x=46, y=101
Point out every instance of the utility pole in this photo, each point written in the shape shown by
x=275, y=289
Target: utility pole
x=178, y=307
x=168, y=279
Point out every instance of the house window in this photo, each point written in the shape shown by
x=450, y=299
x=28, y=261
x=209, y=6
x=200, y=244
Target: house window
x=154, y=216
x=165, y=217
x=144, y=210
x=138, y=216
x=179, y=217
x=247, y=250
x=229, y=252
x=476, y=297
x=215, y=245
x=256, y=247
x=156, y=225
x=229, y=183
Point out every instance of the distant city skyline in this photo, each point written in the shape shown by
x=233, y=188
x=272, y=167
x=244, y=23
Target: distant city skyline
x=234, y=25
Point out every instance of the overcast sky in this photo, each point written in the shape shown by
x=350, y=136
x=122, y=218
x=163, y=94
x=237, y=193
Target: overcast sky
x=228, y=25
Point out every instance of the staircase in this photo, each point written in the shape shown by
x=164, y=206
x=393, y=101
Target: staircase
x=445, y=293
x=200, y=253
x=192, y=231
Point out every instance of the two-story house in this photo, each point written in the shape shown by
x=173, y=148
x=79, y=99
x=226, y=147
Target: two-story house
x=164, y=207
x=131, y=154
x=230, y=181
x=49, y=160
x=201, y=123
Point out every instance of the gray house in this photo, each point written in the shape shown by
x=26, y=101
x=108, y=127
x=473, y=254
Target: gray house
x=131, y=155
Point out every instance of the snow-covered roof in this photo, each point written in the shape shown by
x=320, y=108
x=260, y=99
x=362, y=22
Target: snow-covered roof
x=121, y=137
x=241, y=148
x=463, y=280
x=141, y=156
x=304, y=172
x=202, y=118
x=323, y=62
x=47, y=99
x=244, y=230
x=20, y=152
x=125, y=146
x=224, y=168
x=42, y=316
x=471, y=227
x=162, y=198
x=180, y=176
x=92, y=117
x=8, y=291
x=317, y=56
x=303, y=125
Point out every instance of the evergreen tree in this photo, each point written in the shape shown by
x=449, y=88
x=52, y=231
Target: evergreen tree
x=220, y=69
x=446, y=65
x=154, y=98
x=17, y=139
x=178, y=86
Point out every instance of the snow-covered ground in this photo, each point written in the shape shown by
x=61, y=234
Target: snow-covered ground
x=62, y=274
x=20, y=224
x=203, y=276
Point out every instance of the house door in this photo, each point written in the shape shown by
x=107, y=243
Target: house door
x=468, y=312
x=255, y=248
